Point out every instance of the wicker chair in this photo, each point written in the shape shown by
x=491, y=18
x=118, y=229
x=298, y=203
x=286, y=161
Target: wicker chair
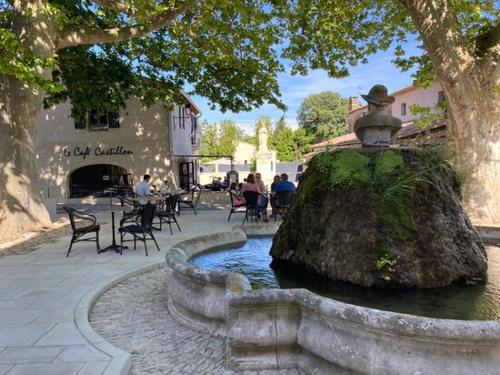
x=283, y=202
x=251, y=209
x=142, y=230
x=79, y=231
x=236, y=207
x=166, y=212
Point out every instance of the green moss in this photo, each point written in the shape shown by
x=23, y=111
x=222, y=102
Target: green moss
x=350, y=168
x=384, y=164
x=392, y=178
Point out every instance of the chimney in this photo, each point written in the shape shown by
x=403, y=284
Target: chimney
x=353, y=103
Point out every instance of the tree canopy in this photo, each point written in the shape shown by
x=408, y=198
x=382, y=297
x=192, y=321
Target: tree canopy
x=323, y=115
x=109, y=50
x=224, y=50
x=334, y=35
x=219, y=139
x=290, y=145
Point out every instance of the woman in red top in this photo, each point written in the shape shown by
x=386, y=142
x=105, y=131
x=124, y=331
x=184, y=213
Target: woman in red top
x=250, y=185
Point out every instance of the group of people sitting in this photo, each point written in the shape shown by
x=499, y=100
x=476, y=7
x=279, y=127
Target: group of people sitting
x=254, y=183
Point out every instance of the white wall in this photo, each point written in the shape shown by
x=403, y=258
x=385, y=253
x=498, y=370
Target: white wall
x=181, y=135
x=427, y=97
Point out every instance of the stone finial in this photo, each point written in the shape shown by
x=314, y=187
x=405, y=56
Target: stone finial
x=377, y=128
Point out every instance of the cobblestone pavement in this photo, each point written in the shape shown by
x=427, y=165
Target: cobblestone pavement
x=133, y=316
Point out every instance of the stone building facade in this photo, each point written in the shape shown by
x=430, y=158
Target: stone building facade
x=113, y=150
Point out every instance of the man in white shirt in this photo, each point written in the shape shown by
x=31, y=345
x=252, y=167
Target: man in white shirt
x=142, y=187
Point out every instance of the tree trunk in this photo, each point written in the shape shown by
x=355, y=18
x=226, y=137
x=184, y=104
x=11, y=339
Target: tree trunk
x=474, y=137
x=470, y=80
x=21, y=206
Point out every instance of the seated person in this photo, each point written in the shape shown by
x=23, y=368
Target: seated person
x=260, y=183
x=142, y=187
x=224, y=184
x=276, y=182
x=250, y=185
x=274, y=185
x=283, y=186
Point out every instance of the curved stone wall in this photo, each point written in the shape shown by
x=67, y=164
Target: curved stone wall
x=273, y=328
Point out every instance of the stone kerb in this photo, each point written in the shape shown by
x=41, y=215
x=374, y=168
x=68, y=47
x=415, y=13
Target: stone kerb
x=196, y=296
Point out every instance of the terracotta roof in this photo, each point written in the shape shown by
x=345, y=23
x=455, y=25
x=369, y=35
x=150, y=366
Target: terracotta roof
x=334, y=141
x=408, y=134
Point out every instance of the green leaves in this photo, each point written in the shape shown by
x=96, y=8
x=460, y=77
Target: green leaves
x=219, y=139
x=18, y=61
x=426, y=115
x=323, y=115
x=223, y=50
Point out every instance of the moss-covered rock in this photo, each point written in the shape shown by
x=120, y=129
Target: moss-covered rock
x=379, y=217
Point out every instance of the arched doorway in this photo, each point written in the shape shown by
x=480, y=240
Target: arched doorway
x=98, y=180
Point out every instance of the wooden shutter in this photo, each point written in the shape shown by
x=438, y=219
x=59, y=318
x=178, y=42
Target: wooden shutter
x=113, y=119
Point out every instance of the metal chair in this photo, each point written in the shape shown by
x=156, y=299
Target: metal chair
x=283, y=202
x=166, y=212
x=192, y=201
x=142, y=228
x=251, y=209
x=129, y=216
x=236, y=208
x=80, y=231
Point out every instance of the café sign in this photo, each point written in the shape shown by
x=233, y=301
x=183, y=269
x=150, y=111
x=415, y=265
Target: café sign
x=83, y=152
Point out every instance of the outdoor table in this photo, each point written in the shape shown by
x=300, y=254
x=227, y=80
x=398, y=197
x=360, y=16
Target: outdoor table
x=102, y=208
x=173, y=192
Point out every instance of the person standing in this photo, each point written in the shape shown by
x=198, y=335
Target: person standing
x=142, y=187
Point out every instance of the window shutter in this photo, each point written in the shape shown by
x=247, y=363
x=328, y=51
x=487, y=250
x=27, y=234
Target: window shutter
x=113, y=119
x=79, y=124
x=93, y=117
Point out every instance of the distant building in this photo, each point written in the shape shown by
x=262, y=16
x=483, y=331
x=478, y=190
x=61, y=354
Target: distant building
x=409, y=133
x=244, y=158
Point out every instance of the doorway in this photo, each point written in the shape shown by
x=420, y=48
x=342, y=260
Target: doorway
x=99, y=180
x=186, y=175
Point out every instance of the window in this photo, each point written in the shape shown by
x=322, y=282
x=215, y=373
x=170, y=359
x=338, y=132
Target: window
x=403, y=109
x=97, y=119
x=441, y=97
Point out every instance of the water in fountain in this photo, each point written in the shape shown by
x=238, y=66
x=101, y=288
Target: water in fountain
x=468, y=302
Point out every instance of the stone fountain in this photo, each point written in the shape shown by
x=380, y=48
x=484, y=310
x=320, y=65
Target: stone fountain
x=381, y=216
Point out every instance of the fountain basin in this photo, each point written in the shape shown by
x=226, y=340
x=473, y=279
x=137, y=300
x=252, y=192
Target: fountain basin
x=295, y=328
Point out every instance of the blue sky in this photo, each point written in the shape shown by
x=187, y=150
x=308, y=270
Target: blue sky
x=294, y=89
